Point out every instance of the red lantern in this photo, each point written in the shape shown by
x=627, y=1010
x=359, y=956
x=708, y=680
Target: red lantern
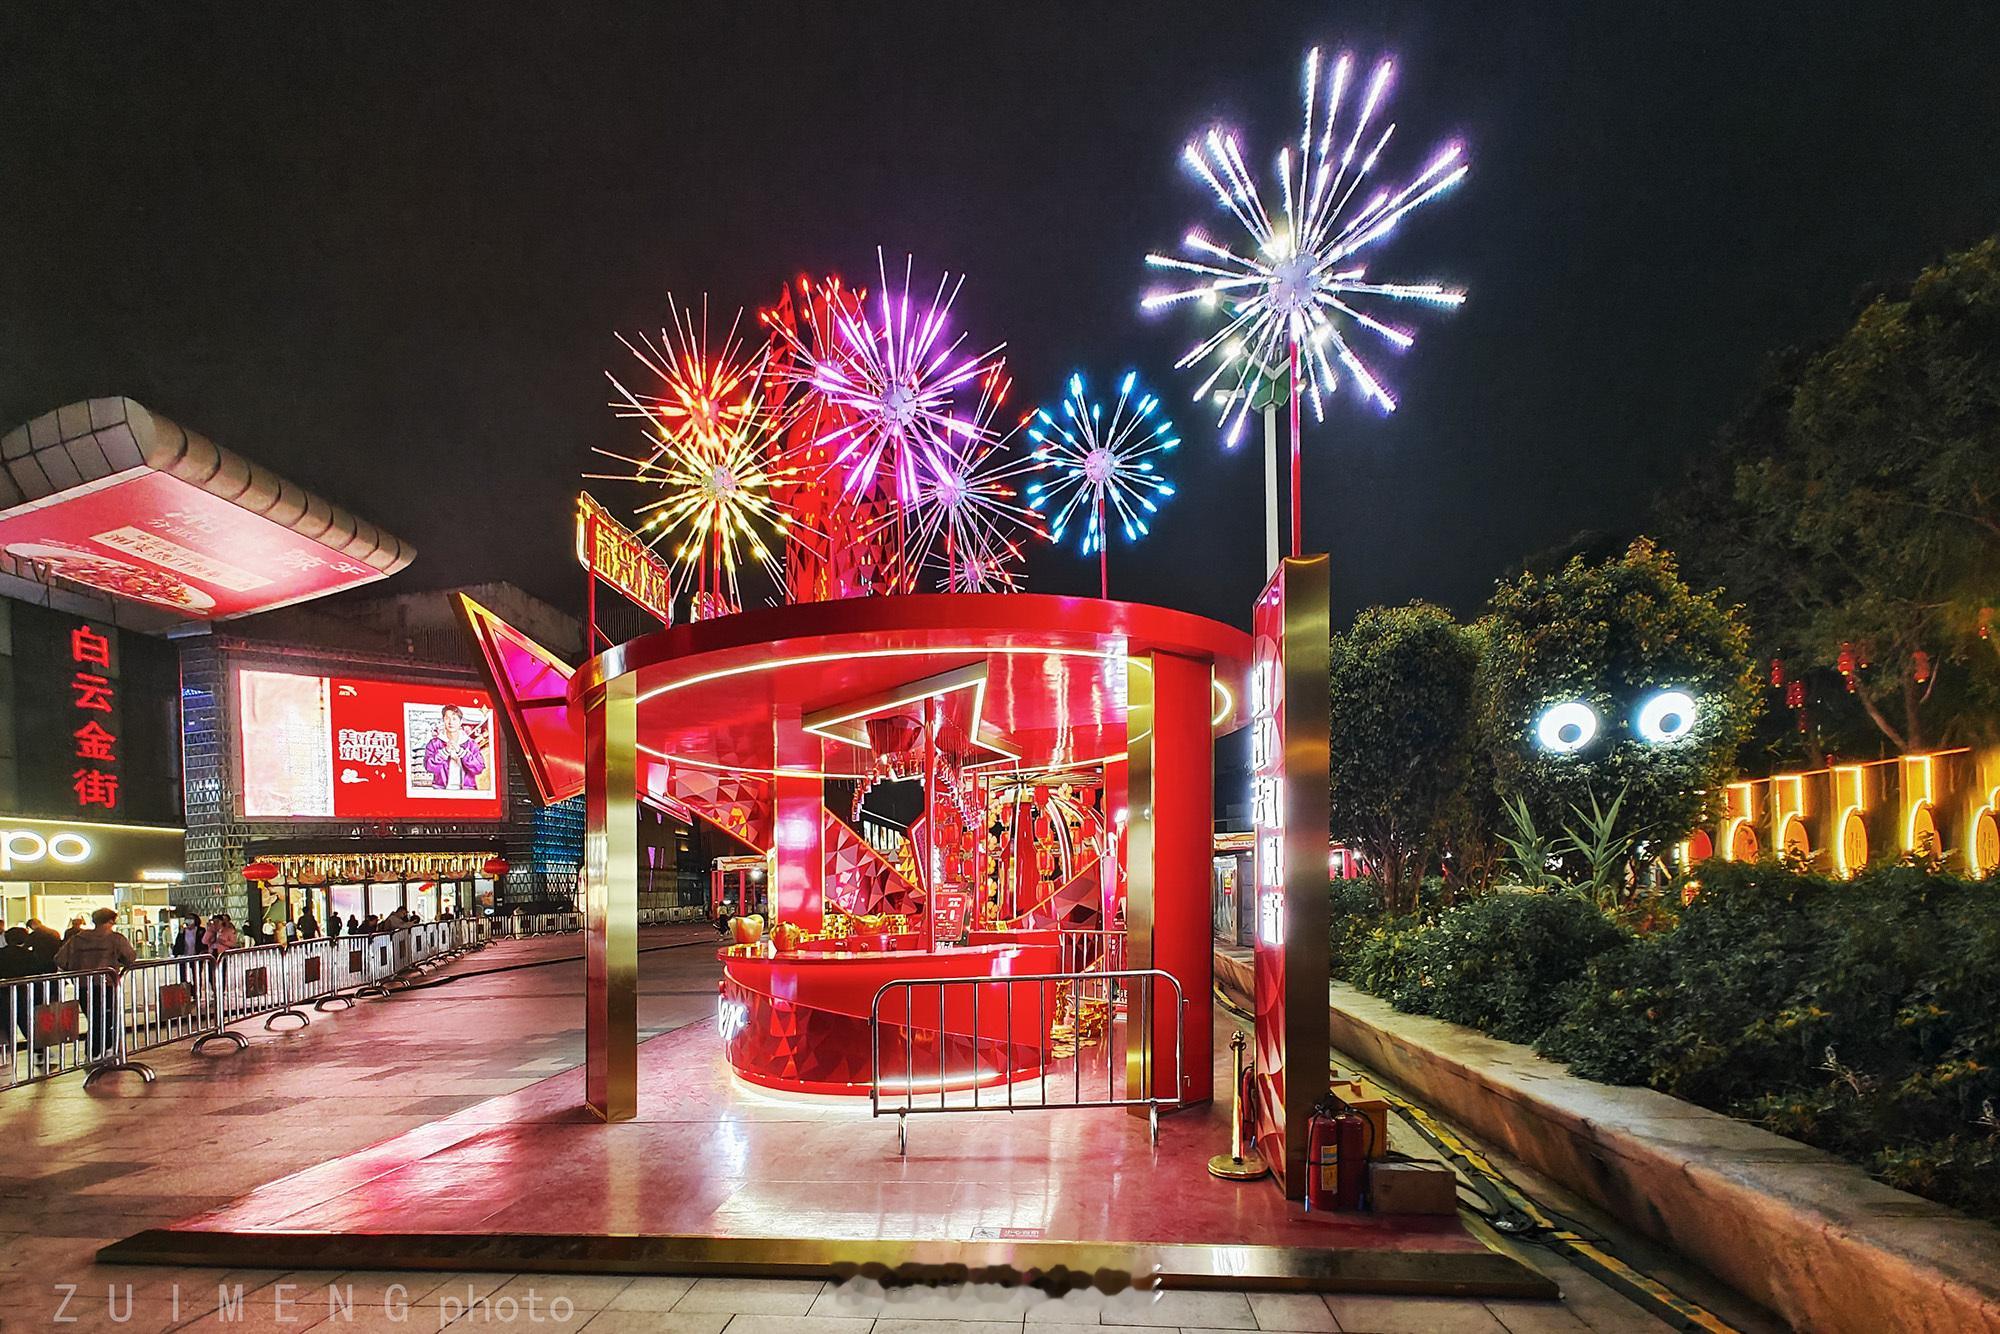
x=259, y=872
x=1986, y=622
x=1846, y=665
x=495, y=867
x=1920, y=666
x=1795, y=695
x=1777, y=672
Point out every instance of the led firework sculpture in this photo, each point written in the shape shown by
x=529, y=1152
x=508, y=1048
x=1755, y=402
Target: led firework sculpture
x=968, y=513
x=710, y=452
x=839, y=546
x=1101, y=467
x=892, y=375
x=1299, y=293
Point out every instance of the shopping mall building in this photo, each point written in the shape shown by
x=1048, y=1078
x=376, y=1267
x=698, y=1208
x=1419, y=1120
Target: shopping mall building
x=200, y=677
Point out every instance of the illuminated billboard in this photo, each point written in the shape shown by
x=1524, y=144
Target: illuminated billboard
x=339, y=748
x=114, y=497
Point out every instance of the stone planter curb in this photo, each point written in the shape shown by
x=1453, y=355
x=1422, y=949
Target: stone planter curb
x=1801, y=1232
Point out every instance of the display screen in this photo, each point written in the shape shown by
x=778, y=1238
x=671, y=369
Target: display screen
x=332, y=747
x=158, y=539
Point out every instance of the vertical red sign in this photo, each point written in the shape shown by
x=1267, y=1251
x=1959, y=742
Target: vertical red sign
x=94, y=724
x=1289, y=729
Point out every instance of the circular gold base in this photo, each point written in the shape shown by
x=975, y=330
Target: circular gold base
x=1247, y=1168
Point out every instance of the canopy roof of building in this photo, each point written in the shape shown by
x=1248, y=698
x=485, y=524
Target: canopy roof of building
x=115, y=498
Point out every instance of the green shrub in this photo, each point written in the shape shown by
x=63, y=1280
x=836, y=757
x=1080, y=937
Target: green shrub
x=1354, y=908
x=1861, y=1017
x=1502, y=962
x=1609, y=1030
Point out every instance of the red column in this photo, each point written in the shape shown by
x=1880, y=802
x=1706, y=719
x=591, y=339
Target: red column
x=1170, y=851
x=798, y=803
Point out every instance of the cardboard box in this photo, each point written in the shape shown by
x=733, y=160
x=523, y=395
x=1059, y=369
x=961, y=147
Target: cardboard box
x=1404, y=1187
x=1356, y=1094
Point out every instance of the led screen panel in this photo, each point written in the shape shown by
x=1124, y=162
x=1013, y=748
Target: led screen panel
x=342, y=748
x=157, y=539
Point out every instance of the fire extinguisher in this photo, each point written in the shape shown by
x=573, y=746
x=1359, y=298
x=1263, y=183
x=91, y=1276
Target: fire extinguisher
x=1337, y=1149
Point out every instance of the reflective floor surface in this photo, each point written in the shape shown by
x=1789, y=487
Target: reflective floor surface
x=79, y=1169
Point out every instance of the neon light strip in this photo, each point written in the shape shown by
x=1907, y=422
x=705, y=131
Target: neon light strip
x=1992, y=808
x=1217, y=687
x=932, y=687
x=1852, y=803
x=1912, y=809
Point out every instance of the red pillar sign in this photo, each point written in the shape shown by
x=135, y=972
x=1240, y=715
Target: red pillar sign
x=1289, y=762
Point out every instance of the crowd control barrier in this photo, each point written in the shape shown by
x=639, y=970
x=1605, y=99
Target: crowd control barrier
x=101, y=1022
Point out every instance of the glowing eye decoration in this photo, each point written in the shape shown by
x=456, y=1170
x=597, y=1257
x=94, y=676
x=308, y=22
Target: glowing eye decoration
x=1566, y=728
x=1667, y=716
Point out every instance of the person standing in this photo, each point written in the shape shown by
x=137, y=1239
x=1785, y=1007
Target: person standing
x=101, y=949
x=308, y=925
x=221, y=934
x=44, y=943
x=18, y=963
x=332, y=925
x=189, y=946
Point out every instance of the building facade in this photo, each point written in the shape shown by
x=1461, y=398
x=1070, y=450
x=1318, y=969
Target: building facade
x=350, y=752
x=90, y=790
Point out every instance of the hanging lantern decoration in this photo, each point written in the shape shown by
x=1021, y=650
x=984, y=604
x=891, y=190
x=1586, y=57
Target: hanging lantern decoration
x=1986, y=622
x=1777, y=672
x=495, y=867
x=260, y=872
x=1846, y=665
x=1920, y=666
x=1795, y=694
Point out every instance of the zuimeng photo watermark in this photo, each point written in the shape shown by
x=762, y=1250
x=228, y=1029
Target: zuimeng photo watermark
x=288, y=1303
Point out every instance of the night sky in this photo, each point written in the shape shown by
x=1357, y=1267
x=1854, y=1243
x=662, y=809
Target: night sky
x=384, y=249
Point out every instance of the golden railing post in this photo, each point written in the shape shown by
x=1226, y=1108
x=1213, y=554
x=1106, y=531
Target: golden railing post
x=611, y=900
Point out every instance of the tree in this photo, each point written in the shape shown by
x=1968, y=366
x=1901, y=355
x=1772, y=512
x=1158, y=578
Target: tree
x=1612, y=636
x=1860, y=523
x=1404, y=757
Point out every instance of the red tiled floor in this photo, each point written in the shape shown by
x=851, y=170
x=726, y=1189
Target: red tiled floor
x=711, y=1156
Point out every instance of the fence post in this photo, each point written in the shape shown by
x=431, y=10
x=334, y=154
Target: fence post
x=378, y=972
x=111, y=1007
x=286, y=958
x=222, y=1031
x=333, y=945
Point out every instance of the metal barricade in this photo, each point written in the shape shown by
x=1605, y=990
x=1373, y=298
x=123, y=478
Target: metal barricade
x=99, y=1022
x=1064, y=1038
x=1087, y=951
x=164, y=1001
x=59, y=1023
x=252, y=982
x=379, y=959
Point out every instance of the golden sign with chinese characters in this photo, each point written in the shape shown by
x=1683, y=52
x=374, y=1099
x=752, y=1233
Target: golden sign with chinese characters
x=620, y=557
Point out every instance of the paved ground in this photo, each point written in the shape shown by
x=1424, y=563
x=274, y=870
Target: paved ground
x=81, y=1168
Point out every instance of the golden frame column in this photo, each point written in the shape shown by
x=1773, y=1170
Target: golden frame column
x=611, y=899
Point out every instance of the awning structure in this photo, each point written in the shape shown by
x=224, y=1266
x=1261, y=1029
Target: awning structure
x=118, y=499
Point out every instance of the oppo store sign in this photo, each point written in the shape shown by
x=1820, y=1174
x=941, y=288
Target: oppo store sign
x=53, y=850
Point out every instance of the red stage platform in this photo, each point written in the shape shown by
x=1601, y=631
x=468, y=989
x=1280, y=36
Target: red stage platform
x=715, y=1176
